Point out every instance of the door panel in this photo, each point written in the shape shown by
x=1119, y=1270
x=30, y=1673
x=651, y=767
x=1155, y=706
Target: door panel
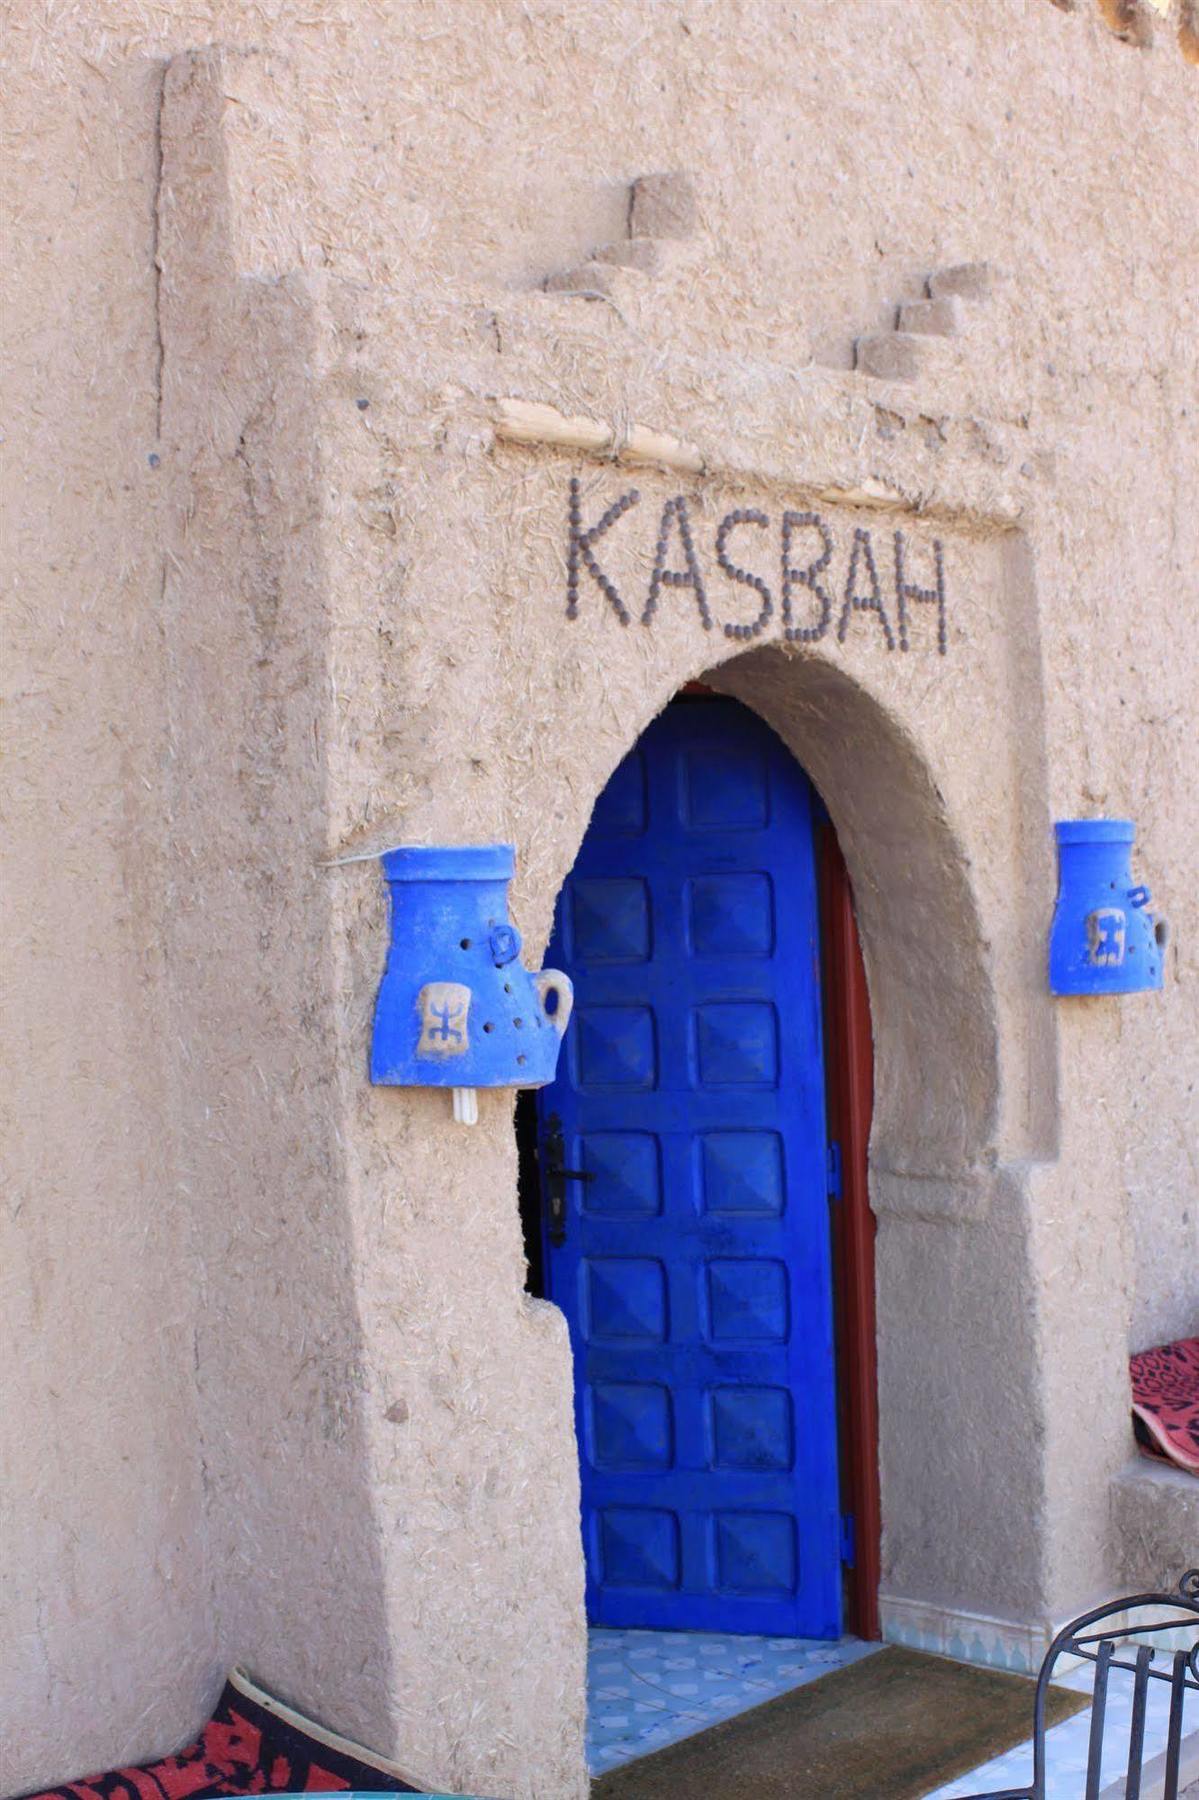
x=693, y=1264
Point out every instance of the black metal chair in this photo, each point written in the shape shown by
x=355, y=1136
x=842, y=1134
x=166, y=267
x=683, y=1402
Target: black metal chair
x=1122, y=1647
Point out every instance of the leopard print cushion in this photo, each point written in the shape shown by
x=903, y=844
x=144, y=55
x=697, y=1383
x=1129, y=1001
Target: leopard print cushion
x=1165, y=1401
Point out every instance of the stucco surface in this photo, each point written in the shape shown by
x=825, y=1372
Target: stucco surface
x=1155, y=1521
x=103, y=1575
x=283, y=598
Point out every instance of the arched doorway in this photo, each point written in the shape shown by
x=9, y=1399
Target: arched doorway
x=694, y=1192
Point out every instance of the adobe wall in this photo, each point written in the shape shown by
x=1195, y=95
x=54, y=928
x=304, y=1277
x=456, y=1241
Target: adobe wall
x=291, y=592
x=103, y=1578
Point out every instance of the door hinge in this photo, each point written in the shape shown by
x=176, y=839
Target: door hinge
x=834, y=1171
x=848, y=1535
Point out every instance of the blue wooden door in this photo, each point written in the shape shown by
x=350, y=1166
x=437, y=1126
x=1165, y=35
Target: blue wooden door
x=692, y=1260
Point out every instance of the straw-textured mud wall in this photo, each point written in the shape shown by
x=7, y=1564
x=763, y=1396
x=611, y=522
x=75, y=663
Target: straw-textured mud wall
x=292, y=425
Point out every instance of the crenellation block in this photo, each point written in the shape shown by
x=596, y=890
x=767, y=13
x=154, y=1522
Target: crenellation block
x=932, y=318
x=889, y=355
x=969, y=281
x=663, y=206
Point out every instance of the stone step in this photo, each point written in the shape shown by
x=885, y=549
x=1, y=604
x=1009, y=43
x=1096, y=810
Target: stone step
x=889, y=355
x=662, y=205
x=932, y=318
x=970, y=281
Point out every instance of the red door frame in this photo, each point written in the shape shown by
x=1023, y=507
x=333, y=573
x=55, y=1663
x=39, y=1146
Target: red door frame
x=849, y=1066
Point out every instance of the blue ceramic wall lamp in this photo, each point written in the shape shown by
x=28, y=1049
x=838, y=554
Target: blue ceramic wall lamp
x=1105, y=938
x=456, y=1007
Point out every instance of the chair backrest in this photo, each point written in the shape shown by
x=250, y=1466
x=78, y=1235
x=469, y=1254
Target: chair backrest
x=1142, y=1639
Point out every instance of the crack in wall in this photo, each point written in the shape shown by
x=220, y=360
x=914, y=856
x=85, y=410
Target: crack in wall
x=155, y=256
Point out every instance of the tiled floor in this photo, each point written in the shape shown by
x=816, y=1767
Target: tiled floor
x=1067, y=1744
x=647, y=1689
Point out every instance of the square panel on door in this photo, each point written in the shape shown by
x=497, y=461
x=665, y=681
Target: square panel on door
x=751, y=1427
x=725, y=789
x=639, y=1547
x=624, y=1299
x=630, y=1425
x=609, y=920
x=747, y=1300
x=731, y=915
x=626, y=1175
x=614, y=1047
x=736, y=1044
x=756, y=1553
x=741, y=1174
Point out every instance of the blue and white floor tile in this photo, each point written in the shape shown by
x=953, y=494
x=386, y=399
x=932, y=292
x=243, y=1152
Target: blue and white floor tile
x=1068, y=1743
x=647, y=1689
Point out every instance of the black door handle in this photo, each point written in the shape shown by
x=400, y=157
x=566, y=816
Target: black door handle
x=556, y=1177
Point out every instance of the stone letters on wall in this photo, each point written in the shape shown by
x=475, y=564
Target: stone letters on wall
x=815, y=585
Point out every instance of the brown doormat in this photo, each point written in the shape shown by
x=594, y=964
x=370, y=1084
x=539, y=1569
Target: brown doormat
x=890, y=1727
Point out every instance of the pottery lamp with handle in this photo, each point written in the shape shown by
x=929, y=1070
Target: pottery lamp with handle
x=456, y=1006
x=1106, y=937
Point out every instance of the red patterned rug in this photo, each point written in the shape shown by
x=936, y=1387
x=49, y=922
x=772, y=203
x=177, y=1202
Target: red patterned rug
x=1165, y=1402
x=253, y=1744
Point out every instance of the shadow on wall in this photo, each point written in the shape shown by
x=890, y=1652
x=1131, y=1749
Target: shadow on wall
x=959, y=1375
x=931, y=993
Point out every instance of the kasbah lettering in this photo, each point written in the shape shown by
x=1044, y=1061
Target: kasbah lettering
x=808, y=600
